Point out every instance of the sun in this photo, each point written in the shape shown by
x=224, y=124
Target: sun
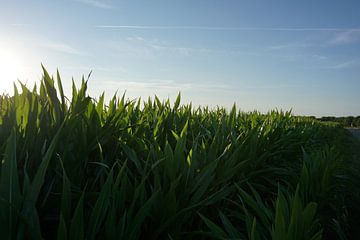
x=10, y=69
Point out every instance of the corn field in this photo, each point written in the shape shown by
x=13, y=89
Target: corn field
x=86, y=168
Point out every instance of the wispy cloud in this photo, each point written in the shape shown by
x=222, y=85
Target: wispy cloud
x=20, y=24
x=177, y=85
x=292, y=45
x=117, y=69
x=95, y=69
x=344, y=65
x=346, y=37
x=155, y=84
x=139, y=46
x=61, y=47
x=149, y=48
x=318, y=57
x=158, y=27
x=96, y=3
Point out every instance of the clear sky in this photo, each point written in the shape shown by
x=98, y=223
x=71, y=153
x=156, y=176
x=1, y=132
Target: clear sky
x=300, y=55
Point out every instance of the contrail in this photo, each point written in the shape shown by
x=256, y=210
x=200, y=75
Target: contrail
x=288, y=29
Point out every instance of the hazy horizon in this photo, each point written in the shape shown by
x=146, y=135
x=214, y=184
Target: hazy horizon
x=303, y=56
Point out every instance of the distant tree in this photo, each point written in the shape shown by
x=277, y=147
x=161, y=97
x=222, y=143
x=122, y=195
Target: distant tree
x=349, y=121
x=356, y=122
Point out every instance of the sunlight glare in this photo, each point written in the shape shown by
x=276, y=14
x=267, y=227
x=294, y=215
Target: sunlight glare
x=10, y=69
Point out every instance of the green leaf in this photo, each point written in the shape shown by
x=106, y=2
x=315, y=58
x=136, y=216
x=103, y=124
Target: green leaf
x=62, y=230
x=65, y=210
x=177, y=102
x=214, y=228
x=100, y=209
x=10, y=195
x=77, y=223
x=30, y=198
x=62, y=96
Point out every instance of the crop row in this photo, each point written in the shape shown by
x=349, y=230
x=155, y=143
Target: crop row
x=83, y=168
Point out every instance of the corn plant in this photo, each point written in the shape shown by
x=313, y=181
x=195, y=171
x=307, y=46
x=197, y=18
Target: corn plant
x=91, y=168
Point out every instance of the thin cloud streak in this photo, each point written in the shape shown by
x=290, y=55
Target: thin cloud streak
x=20, y=24
x=160, y=84
x=345, y=37
x=344, y=65
x=61, y=47
x=289, y=29
x=95, y=3
x=151, y=48
x=292, y=45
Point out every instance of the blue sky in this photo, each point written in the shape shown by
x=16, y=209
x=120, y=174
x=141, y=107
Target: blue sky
x=302, y=55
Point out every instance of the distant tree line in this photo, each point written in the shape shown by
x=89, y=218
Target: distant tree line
x=349, y=121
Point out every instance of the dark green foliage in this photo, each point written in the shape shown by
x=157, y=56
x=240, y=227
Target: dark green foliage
x=87, y=169
x=349, y=121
